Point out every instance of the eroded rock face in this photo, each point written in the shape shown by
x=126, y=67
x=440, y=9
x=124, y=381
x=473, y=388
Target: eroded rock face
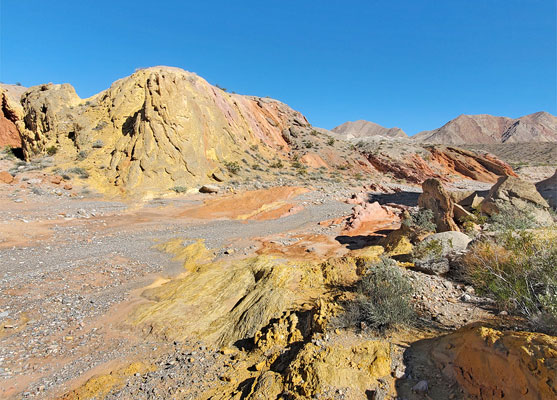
x=159, y=127
x=548, y=189
x=11, y=114
x=492, y=364
x=319, y=370
x=438, y=200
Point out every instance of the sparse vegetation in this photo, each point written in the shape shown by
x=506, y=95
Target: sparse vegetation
x=331, y=141
x=98, y=144
x=382, y=298
x=519, y=271
x=100, y=125
x=422, y=219
x=80, y=172
x=232, y=166
x=308, y=144
x=513, y=218
x=428, y=250
x=51, y=150
x=277, y=164
x=82, y=155
x=180, y=189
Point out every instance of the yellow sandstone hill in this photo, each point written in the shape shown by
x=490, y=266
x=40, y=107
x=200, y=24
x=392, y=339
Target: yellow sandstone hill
x=157, y=128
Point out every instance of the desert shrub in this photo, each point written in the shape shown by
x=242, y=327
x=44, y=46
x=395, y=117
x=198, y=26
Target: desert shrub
x=427, y=250
x=277, y=164
x=331, y=141
x=358, y=176
x=314, y=133
x=51, y=150
x=519, y=271
x=383, y=298
x=83, y=174
x=422, y=218
x=100, y=126
x=180, y=189
x=98, y=144
x=308, y=144
x=82, y=155
x=513, y=218
x=232, y=166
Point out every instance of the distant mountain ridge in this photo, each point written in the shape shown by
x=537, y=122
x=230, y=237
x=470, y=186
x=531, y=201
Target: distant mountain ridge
x=362, y=128
x=486, y=129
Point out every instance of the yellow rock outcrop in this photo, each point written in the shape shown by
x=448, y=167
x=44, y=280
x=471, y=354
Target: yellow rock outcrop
x=492, y=364
x=158, y=128
x=354, y=368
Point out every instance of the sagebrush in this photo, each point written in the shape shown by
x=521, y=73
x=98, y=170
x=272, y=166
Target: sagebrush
x=383, y=298
x=518, y=269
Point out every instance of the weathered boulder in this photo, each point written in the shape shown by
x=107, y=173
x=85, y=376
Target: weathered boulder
x=209, y=189
x=492, y=364
x=516, y=193
x=6, y=177
x=433, y=255
x=438, y=200
x=548, y=189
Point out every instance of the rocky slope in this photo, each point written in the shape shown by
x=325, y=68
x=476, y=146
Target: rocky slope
x=10, y=114
x=163, y=128
x=361, y=128
x=484, y=128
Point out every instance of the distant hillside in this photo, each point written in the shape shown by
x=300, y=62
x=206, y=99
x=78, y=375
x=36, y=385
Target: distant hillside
x=362, y=129
x=486, y=129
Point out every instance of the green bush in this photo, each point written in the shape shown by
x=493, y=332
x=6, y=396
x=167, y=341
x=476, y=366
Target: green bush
x=83, y=174
x=331, y=141
x=422, y=219
x=513, y=218
x=519, y=271
x=180, y=189
x=277, y=164
x=383, y=298
x=428, y=250
x=232, y=166
x=51, y=150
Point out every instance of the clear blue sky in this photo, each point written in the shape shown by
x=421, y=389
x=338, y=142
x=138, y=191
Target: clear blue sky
x=413, y=64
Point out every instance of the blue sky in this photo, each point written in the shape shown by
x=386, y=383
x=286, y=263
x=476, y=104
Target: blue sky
x=411, y=64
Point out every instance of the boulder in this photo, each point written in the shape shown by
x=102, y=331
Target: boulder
x=548, y=190
x=433, y=255
x=514, y=192
x=438, y=200
x=209, y=189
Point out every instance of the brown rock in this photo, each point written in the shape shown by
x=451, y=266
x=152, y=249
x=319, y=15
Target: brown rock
x=10, y=113
x=6, y=177
x=438, y=200
x=67, y=186
x=56, y=179
x=484, y=128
